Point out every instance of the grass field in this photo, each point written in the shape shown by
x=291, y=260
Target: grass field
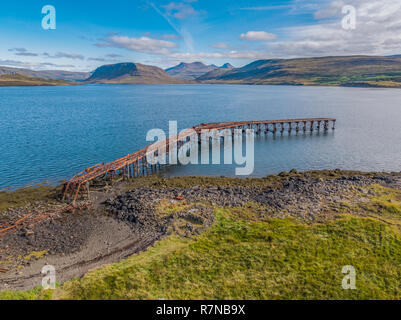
x=242, y=257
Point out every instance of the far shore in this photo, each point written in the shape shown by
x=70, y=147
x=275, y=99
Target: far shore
x=50, y=84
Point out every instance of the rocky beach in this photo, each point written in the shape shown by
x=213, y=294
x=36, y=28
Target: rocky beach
x=117, y=222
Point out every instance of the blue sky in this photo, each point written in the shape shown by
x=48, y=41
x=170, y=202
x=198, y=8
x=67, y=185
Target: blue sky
x=91, y=33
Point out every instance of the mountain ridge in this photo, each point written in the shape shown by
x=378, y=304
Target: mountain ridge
x=18, y=80
x=356, y=71
x=190, y=71
x=360, y=71
x=46, y=74
x=130, y=73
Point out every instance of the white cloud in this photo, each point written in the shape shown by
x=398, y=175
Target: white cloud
x=60, y=55
x=33, y=65
x=378, y=32
x=330, y=11
x=69, y=55
x=179, y=10
x=23, y=52
x=171, y=36
x=142, y=44
x=190, y=57
x=258, y=36
x=113, y=55
x=97, y=59
x=221, y=45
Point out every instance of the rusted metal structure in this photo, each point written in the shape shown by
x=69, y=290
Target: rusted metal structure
x=136, y=164
x=36, y=216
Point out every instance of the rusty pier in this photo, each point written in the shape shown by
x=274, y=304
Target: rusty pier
x=136, y=164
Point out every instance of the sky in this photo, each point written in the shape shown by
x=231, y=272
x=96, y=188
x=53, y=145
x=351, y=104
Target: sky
x=92, y=33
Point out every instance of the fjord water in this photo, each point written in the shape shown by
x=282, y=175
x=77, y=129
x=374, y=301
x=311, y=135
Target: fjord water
x=52, y=133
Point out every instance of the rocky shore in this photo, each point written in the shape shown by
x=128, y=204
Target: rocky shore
x=296, y=195
x=128, y=221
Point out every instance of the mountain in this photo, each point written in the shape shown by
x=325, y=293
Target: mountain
x=15, y=79
x=130, y=73
x=361, y=71
x=216, y=73
x=48, y=74
x=227, y=66
x=190, y=71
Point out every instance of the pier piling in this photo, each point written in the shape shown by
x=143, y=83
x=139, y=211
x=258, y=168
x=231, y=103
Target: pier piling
x=135, y=165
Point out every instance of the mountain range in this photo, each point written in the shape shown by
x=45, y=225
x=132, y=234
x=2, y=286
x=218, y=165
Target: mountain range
x=17, y=79
x=192, y=71
x=359, y=71
x=49, y=74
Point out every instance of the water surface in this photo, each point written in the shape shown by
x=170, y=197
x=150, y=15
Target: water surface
x=51, y=133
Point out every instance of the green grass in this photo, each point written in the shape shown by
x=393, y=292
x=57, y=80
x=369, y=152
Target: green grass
x=35, y=255
x=244, y=257
x=236, y=259
x=34, y=294
x=239, y=259
x=24, y=196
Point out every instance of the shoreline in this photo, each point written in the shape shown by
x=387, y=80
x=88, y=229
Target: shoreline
x=360, y=86
x=121, y=221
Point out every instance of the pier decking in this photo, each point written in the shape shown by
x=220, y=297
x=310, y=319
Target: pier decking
x=136, y=164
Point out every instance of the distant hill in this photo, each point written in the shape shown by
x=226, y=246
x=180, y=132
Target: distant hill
x=361, y=71
x=227, y=66
x=190, y=71
x=216, y=73
x=353, y=71
x=212, y=75
x=48, y=74
x=8, y=80
x=130, y=73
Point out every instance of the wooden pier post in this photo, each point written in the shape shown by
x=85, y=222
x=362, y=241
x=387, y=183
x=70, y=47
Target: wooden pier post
x=136, y=164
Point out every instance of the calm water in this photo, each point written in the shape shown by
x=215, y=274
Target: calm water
x=51, y=133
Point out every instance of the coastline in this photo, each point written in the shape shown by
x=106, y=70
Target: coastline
x=361, y=85
x=121, y=221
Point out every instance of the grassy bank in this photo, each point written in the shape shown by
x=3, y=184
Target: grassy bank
x=28, y=195
x=241, y=257
x=244, y=256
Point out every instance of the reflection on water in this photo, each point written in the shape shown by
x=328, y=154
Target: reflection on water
x=264, y=143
